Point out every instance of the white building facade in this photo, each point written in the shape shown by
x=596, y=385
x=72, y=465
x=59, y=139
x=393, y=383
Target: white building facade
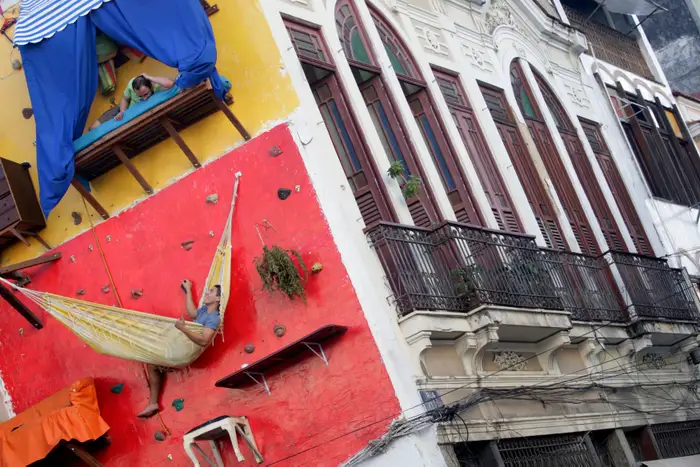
x=514, y=193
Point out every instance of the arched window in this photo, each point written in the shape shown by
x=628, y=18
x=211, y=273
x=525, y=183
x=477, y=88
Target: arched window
x=582, y=166
x=351, y=37
x=552, y=162
x=400, y=58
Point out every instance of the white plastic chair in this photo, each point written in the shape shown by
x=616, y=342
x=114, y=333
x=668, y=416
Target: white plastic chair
x=217, y=428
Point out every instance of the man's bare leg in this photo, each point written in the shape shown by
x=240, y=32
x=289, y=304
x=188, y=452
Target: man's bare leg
x=155, y=381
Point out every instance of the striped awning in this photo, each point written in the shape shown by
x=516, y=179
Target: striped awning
x=41, y=19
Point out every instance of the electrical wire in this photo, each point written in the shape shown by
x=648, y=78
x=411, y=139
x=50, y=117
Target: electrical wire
x=466, y=386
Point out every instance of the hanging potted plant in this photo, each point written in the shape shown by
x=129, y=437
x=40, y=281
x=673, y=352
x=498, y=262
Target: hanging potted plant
x=278, y=271
x=409, y=186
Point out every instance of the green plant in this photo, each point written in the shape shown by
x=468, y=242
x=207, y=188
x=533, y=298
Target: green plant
x=278, y=271
x=411, y=185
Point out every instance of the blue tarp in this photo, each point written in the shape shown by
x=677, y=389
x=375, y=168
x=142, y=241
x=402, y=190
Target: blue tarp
x=61, y=72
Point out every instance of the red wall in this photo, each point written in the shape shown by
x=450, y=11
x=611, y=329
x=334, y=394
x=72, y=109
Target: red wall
x=310, y=403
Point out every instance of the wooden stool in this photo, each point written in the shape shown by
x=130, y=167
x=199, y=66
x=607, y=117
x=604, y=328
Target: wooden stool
x=216, y=428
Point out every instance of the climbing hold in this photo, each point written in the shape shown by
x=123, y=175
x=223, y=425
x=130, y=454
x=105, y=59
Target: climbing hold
x=16, y=65
x=179, y=404
x=187, y=244
x=80, y=292
x=108, y=238
x=283, y=193
x=274, y=151
x=21, y=331
x=159, y=436
x=212, y=199
x=105, y=289
x=136, y=293
x=316, y=268
x=117, y=388
x=27, y=113
x=297, y=188
x=249, y=348
x=279, y=330
x=170, y=457
x=90, y=247
x=77, y=218
x=211, y=233
x=72, y=258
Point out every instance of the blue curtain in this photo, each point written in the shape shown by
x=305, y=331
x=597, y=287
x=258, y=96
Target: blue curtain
x=61, y=72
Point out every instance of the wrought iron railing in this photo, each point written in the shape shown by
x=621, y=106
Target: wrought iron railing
x=588, y=290
x=677, y=439
x=417, y=272
x=609, y=45
x=568, y=450
x=494, y=267
x=457, y=267
x=652, y=288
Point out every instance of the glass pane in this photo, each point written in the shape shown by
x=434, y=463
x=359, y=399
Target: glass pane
x=359, y=51
x=438, y=156
x=526, y=104
x=386, y=132
x=337, y=140
x=674, y=123
x=346, y=136
x=395, y=61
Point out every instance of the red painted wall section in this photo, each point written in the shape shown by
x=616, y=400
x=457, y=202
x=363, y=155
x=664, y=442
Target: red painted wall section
x=311, y=403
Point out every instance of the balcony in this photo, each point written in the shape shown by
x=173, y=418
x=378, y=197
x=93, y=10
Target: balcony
x=609, y=45
x=460, y=268
x=490, y=267
x=588, y=291
x=652, y=289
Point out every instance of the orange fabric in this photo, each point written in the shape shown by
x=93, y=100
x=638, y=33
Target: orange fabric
x=72, y=413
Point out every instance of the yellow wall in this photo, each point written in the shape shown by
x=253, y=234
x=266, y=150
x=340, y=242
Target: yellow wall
x=248, y=57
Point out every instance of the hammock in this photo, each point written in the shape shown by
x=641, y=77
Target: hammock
x=134, y=335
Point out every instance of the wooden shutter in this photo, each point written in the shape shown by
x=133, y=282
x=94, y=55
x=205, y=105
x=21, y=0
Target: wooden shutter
x=532, y=184
x=387, y=123
x=553, y=164
x=351, y=150
x=486, y=168
x=617, y=187
x=583, y=168
x=564, y=188
x=451, y=173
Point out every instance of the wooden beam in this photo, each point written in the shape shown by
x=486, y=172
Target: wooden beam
x=180, y=142
x=90, y=199
x=29, y=263
x=82, y=454
x=132, y=169
x=232, y=118
x=20, y=307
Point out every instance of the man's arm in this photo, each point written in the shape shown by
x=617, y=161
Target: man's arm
x=166, y=83
x=203, y=340
x=189, y=301
x=123, y=105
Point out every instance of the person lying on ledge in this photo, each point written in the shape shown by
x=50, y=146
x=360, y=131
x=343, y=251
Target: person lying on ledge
x=208, y=315
x=138, y=89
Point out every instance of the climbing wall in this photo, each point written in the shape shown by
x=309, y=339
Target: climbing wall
x=310, y=403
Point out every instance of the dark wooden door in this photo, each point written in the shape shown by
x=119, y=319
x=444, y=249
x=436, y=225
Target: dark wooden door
x=387, y=123
x=359, y=169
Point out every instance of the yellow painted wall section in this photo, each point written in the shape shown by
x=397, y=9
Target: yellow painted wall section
x=247, y=56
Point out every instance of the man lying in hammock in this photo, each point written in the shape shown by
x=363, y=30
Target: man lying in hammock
x=208, y=316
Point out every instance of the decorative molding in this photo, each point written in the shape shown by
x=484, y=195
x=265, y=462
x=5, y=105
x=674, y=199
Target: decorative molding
x=654, y=361
x=431, y=39
x=393, y=5
x=578, y=95
x=510, y=361
x=477, y=56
